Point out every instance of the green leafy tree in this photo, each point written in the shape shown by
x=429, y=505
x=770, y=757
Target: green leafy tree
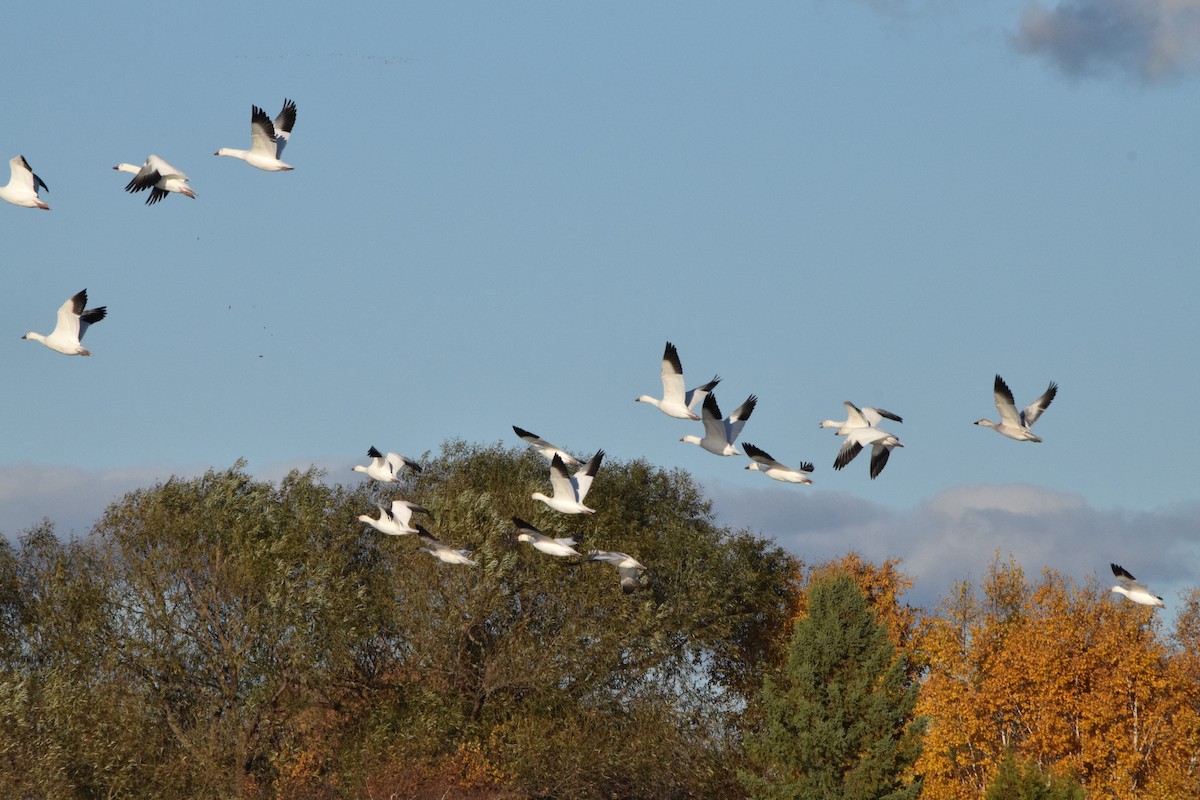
x=837, y=721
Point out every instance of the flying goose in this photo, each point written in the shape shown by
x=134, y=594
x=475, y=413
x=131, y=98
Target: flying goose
x=865, y=417
x=545, y=448
x=628, y=568
x=393, y=521
x=386, y=468
x=675, y=401
x=267, y=139
x=159, y=177
x=1133, y=589
x=569, y=491
x=1014, y=425
x=720, y=434
x=72, y=324
x=762, y=461
x=881, y=443
x=556, y=547
x=22, y=186
x=443, y=552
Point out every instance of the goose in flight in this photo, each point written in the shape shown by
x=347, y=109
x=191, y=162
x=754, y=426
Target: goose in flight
x=394, y=521
x=1133, y=589
x=570, y=490
x=1017, y=425
x=267, y=139
x=556, y=547
x=159, y=177
x=545, y=448
x=865, y=417
x=881, y=443
x=675, y=401
x=22, y=186
x=442, y=551
x=628, y=568
x=720, y=434
x=386, y=468
x=72, y=324
x=762, y=461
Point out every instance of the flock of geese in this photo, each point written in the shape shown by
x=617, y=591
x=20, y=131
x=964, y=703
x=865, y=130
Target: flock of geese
x=268, y=138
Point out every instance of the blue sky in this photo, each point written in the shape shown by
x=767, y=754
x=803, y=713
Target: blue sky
x=500, y=212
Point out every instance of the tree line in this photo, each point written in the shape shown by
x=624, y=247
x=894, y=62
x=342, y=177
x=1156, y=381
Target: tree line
x=223, y=637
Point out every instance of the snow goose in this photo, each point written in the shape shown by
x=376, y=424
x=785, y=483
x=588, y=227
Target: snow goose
x=865, y=417
x=267, y=139
x=762, y=461
x=545, y=448
x=386, y=468
x=22, y=186
x=628, y=567
x=72, y=324
x=1133, y=589
x=442, y=551
x=159, y=177
x=394, y=521
x=675, y=401
x=569, y=491
x=547, y=544
x=720, y=434
x=1014, y=425
x=881, y=443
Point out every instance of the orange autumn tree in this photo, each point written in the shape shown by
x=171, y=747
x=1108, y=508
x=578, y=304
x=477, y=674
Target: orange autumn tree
x=1062, y=675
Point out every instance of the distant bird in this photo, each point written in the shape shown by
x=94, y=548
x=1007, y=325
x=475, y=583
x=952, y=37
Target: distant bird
x=545, y=448
x=675, y=401
x=72, y=324
x=22, y=186
x=159, y=177
x=865, y=417
x=443, y=552
x=547, y=544
x=762, y=461
x=569, y=491
x=1014, y=425
x=881, y=443
x=386, y=468
x=720, y=434
x=628, y=568
x=267, y=139
x=394, y=521
x=1133, y=589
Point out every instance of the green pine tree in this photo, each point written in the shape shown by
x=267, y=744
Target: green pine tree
x=1031, y=783
x=838, y=721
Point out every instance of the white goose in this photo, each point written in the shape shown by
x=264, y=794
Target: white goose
x=386, y=468
x=720, y=434
x=762, y=462
x=865, y=417
x=675, y=401
x=22, y=186
x=545, y=448
x=561, y=547
x=394, y=521
x=443, y=552
x=881, y=443
x=628, y=567
x=569, y=491
x=1014, y=425
x=72, y=324
x=159, y=177
x=1133, y=589
x=267, y=139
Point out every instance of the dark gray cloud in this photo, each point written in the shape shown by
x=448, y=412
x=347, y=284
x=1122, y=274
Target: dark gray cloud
x=1150, y=39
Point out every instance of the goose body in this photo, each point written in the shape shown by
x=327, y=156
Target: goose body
x=1016, y=425
x=560, y=547
x=443, y=552
x=1133, y=589
x=22, y=186
x=629, y=569
x=394, y=521
x=676, y=401
x=570, y=490
x=386, y=469
x=865, y=417
x=159, y=177
x=720, y=434
x=267, y=139
x=72, y=323
x=545, y=448
x=761, y=461
x=881, y=443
